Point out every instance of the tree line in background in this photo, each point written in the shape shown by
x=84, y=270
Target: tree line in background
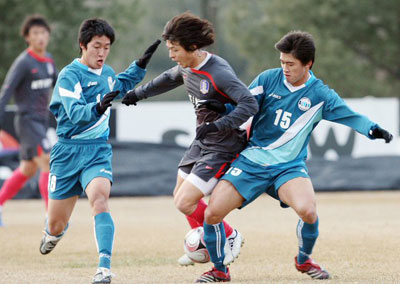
x=357, y=41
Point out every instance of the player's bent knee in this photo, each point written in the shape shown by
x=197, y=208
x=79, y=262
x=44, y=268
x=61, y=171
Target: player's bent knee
x=212, y=217
x=184, y=205
x=308, y=214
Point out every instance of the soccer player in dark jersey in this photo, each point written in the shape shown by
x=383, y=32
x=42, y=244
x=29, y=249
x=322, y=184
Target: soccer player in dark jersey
x=30, y=80
x=218, y=138
x=292, y=101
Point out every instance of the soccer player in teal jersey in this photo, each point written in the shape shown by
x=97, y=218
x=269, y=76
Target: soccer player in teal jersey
x=292, y=101
x=81, y=159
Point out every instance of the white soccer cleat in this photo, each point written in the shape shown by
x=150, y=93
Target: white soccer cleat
x=48, y=242
x=184, y=260
x=232, y=247
x=103, y=275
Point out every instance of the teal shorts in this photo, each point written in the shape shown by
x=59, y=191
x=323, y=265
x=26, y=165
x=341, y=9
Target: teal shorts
x=251, y=179
x=75, y=163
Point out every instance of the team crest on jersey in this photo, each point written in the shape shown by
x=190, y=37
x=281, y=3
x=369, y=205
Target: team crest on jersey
x=304, y=104
x=204, y=86
x=50, y=69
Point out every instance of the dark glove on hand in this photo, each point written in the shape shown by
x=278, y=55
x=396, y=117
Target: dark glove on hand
x=381, y=133
x=204, y=129
x=102, y=106
x=214, y=105
x=130, y=98
x=144, y=60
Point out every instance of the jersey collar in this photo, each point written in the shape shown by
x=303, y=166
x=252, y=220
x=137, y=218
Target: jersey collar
x=296, y=88
x=87, y=68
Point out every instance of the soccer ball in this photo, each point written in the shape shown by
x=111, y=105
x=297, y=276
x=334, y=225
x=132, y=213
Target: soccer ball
x=195, y=247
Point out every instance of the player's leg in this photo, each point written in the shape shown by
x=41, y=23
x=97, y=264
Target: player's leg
x=96, y=178
x=237, y=188
x=98, y=192
x=59, y=213
x=43, y=162
x=17, y=180
x=298, y=193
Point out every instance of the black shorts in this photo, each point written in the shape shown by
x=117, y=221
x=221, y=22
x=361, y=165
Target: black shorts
x=205, y=164
x=32, y=135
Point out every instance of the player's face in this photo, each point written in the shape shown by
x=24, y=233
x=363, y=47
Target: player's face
x=181, y=56
x=295, y=72
x=95, y=53
x=38, y=39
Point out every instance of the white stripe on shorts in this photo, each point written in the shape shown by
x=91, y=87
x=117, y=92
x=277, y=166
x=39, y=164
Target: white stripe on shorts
x=205, y=187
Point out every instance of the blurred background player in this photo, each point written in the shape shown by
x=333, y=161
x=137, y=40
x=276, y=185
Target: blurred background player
x=292, y=102
x=30, y=79
x=81, y=159
x=218, y=138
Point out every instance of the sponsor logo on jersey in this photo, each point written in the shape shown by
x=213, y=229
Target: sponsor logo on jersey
x=304, y=104
x=275, y=96
x=50, y=69
x=34, y=70
x=111, y=83
x=41, y=84
x=204, y=86
x=92, y=84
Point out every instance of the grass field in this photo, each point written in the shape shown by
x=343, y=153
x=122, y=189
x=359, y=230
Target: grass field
x=359, y=242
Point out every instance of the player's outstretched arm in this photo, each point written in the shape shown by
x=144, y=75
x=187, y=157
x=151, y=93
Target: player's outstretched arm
x=145, y=58
x=380, y=133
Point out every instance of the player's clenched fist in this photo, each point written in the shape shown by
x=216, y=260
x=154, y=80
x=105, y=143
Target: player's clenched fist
x=130, y=98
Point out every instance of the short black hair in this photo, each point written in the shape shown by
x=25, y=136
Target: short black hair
x=300, y=44
x=33, y=20
x=190, y=31
x=94, y=27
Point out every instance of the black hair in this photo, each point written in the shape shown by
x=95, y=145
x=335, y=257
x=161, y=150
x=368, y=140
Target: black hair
x=190, y=31
x=300, y=44
x=33, y=20
x=94, y=27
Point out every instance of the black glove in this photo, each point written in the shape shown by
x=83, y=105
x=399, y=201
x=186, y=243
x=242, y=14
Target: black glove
x=204, y=129
x=102, y=106
x=214, y=105
x=144, y=60
x=381, y=133
x=130, y=98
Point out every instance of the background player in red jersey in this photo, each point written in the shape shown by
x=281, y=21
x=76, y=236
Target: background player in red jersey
x=30, y=80
x=218, y=138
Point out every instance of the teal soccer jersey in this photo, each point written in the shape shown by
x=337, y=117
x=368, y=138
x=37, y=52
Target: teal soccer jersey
x=282, y=128
x=82, y=152
x=78, y=90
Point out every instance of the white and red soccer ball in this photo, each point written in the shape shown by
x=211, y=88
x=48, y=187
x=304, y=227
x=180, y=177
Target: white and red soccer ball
x=195, y=247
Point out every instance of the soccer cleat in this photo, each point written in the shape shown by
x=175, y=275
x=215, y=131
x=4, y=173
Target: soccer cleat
x=214, y=275
x=49, y=242
x=312, y=269
x=184, y=260
x=232, y=247
x=103, y=275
